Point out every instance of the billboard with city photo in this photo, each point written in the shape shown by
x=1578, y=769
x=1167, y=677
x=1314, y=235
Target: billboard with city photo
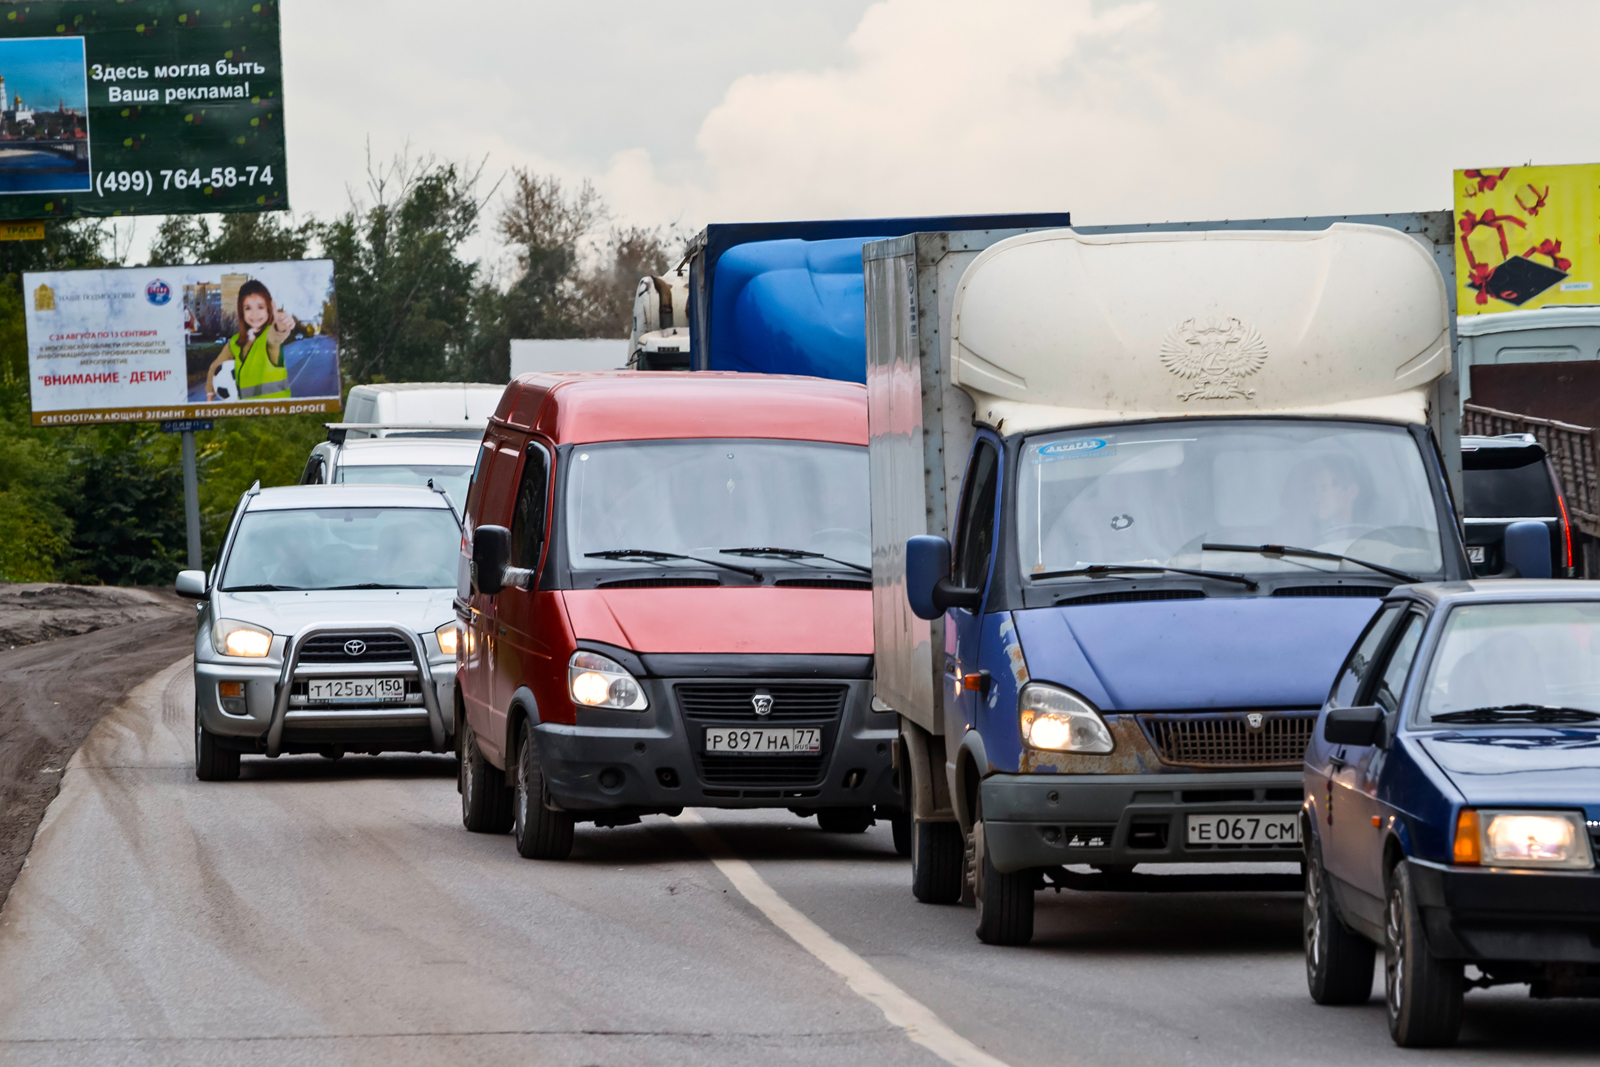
x=145, y=344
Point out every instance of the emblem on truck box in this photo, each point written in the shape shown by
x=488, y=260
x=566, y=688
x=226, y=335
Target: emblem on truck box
x=1215, y=354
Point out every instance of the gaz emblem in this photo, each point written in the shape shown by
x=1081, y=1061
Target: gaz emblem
x=1255, y=719
x=762, y=702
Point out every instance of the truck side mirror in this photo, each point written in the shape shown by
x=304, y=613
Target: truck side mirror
x=491, y=552
x=192, y=584
x=927, y=561
x=1354, y=726
x=1528, y=549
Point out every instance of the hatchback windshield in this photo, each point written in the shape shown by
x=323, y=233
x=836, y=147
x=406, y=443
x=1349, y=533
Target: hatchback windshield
x=451, y=479
x=1153, y=494
x=699, y=497
x=344, y=548
x=1508, y=655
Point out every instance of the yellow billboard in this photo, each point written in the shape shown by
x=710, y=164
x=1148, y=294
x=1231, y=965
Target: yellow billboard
x=1526, y=237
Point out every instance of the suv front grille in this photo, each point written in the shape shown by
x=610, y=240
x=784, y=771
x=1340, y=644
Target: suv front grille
x=1226, y=739
x=791, y=702
x=376, y=648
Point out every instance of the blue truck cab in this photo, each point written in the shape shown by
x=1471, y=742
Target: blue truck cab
x=1134, y=497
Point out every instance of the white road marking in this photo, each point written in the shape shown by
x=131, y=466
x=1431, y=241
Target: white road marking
x=916, y=1019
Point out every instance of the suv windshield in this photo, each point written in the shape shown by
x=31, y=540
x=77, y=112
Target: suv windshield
x=1154, y=493
x=344, y=548
x=451, y=479
x=701, y=496
x=1523, y=657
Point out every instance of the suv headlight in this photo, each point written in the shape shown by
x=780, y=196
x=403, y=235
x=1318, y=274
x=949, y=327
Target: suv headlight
x=234, y=638
x=597, y=681
x=1056, y=720
x=447, y=638
x=1523, y=839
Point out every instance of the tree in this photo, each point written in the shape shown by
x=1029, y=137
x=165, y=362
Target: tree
x=243, y=237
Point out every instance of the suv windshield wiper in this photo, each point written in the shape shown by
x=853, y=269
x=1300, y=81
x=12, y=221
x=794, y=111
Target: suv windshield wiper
x=794, y=553
x=1518, y=713
x=646, y=555
x=1111, y=570
x=374, y=585
x=263, y=589
x=1271, y=551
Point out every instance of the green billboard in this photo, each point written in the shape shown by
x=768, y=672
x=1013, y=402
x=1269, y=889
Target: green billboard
x=140, y=107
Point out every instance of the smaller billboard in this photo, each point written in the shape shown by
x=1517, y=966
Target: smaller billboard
x=149, y=344
x=1526, y=237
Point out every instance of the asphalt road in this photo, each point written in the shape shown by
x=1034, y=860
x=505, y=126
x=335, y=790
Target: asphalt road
x=320, y=912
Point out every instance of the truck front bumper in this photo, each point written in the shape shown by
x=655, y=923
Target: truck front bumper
x=1520, y=916
x=1052, y=820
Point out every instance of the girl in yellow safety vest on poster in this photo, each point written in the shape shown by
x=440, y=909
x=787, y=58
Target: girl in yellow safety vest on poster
x=256, y=350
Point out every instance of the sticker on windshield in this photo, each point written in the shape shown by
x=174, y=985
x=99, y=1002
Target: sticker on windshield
x=1074, y=448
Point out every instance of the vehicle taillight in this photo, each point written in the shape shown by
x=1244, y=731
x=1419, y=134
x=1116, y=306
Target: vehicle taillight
x=1566, y=528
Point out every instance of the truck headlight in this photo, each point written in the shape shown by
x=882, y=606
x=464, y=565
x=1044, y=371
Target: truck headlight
x=1057, y=720
x=447, y=638
x=234, y=638
x=1557, y=839
x=597, y=681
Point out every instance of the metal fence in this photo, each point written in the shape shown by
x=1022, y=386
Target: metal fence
x=1574, y=450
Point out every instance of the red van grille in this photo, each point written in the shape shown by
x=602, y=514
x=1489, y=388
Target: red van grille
x=793, y=703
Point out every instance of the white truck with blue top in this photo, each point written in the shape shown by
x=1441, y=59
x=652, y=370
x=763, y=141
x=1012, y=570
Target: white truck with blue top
x=1135, y=492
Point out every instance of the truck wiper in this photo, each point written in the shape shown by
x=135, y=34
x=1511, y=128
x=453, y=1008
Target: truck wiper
x=646, y=555
x=1110, y=570
x=1518, y=713
x=1274, y=551
x=794, y=553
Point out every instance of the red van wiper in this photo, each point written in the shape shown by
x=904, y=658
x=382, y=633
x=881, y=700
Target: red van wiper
x=646, y=555
x=1518, y=713
x=794, y=553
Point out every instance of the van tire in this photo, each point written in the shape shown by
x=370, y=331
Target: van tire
x=937, y=852
x=212, y=762
x=1422, y=993
x=1338, y=960
x=541, y=834
x=485, y=801
x=845, y=820
x=1005, y=901
x=900, y=825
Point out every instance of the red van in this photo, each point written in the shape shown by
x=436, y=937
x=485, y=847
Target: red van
x=666, y=602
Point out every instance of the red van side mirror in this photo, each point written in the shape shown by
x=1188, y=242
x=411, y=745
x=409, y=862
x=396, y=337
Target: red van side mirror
x=491, y=552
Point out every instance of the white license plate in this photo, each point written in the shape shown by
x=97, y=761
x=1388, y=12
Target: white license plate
x=1475, y=553
x=374, y=689
x=1244, y=829
x=764, y=742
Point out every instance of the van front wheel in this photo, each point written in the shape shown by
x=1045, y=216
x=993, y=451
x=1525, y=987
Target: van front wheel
x=541, y=834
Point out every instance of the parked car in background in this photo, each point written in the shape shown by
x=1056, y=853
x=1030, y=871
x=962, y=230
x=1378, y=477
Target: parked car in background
x=666, y=603
x=1452, y=803
x=326, y=626
x=447, y=463
x=1509, y=479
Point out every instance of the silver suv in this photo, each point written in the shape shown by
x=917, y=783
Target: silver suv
x=327, y=626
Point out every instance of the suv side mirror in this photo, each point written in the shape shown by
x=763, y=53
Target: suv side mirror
x=928, y=584
x=1528, y=549
x=491, y=552
x=1354, y=726
x=192, y=584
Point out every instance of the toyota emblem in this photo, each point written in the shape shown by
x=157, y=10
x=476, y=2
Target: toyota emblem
x=762, y=702
x=354, y=647
x=1255, y=719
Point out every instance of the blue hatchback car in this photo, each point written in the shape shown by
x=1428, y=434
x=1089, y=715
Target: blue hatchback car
x=1452, y=803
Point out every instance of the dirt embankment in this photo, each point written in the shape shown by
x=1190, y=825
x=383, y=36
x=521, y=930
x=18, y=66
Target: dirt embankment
x=68, y=654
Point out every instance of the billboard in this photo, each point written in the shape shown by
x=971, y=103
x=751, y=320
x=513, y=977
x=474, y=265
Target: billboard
x=140, y=107
x=1526, y=237
x=144, y=344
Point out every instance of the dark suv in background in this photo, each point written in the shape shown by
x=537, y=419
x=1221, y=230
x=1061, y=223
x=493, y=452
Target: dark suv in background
x=1509, y=479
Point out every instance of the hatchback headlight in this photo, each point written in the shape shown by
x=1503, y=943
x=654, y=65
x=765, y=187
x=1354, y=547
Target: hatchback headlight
x=1558, y=839
x=447, y=638
x=234, y=638
x=597, y=681
x=1056, y=720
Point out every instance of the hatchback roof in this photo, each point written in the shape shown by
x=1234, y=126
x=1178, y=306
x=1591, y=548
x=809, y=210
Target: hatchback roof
x=1486, y=590
x=345, y=495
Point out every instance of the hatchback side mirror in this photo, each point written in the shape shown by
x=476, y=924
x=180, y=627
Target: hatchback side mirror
x=491, y=552
x=192, y=584
x=1528, y=549
x=1354, y=726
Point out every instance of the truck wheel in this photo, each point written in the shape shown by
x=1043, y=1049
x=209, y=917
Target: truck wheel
x=1005, y=901
x=845, y=820
x=1338, y=960
x=900, y=824
x=1422, y=993
x=541, y=834
x=212, y=762
x=936, y=854
x=485, y=801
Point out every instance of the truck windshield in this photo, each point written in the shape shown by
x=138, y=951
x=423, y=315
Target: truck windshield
x=1500, y=663
x=344, y=548
x=1155, y=493
x=698, y=497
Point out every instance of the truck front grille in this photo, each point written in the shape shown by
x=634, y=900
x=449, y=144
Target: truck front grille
x=374, y=648
x=1227, y=739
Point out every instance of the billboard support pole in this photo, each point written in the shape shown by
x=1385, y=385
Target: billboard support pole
x=191, y=500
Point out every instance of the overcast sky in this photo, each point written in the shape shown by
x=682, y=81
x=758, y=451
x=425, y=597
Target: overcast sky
x=700, y=111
